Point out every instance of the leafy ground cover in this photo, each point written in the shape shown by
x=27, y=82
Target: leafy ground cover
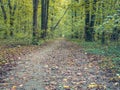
x=9, y=55
x=111, y=53
x=60, y=65
x=11, y=51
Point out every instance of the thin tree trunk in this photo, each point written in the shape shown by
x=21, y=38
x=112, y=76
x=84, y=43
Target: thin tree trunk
x=60, y=19
x=5, y=17
x=12, y=13
x=87, y=18
x=3, y=11
x=92, y=22
x=72, y=24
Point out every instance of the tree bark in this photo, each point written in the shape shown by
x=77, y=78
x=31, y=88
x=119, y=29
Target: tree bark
x=12, y=13
x=72, y=24
x=5, y=18
x=60, y=19
x=3, y=11
x=87, y=18
x=35, y=10
x=44, y=17
x=89, y=21
x=92, y=21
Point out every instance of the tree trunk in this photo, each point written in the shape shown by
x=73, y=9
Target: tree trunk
x=35, y=9
x=12, y=13
x=44, y=17
x=3, y=11
x=89, y=21
x=92, y=22
x=88, y=36
x=72, y=24
x=60, y=19
x=5, y=17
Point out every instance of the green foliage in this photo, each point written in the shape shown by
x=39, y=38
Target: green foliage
x=116, y=62
x=111, y=52
x=40, y=42
x=14, y=41
x=109, y=23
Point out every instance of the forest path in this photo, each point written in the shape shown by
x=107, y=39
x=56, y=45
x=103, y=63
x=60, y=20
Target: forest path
x=60, y=65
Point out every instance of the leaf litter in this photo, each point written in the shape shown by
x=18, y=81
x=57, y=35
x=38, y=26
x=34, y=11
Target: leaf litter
x=60, y=65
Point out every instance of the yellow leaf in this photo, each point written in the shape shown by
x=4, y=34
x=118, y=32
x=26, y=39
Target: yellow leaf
x=14, y=88
x=92, y=85
x=66, y=87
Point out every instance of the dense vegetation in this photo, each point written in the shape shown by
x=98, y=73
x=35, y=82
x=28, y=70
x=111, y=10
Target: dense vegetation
x=95, y=24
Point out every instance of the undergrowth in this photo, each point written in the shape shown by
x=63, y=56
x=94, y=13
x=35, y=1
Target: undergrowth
x=111, y=52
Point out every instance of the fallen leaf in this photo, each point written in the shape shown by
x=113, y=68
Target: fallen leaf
x=92, y=85
x=66, y=87
x=14, y=88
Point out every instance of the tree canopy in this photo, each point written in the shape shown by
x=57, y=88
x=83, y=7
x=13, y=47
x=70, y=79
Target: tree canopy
x=89, y=20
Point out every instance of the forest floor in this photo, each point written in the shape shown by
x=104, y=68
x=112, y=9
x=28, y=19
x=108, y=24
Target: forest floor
x=59, y=65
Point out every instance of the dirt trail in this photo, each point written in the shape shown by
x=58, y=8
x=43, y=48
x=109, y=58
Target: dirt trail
x=57, y=66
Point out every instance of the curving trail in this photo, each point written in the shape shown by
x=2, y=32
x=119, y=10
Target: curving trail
x=60, y=65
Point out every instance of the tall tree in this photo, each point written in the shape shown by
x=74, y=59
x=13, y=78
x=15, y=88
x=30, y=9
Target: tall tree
x=89, y=20
x=4, y=16
x=44, y=17
x=72, y=22
x=35, y=28
x=74, y=16
x=12, y=13
x=92, y=20
x=3, y=11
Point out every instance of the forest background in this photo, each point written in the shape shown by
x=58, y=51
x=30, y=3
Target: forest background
x=93, y=24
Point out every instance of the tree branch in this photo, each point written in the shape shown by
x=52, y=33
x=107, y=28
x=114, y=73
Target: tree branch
x=60, y=19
